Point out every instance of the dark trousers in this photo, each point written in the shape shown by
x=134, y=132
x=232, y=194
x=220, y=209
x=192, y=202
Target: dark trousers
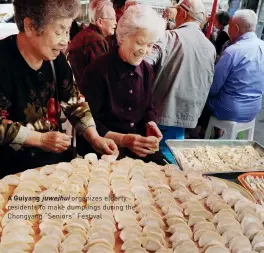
x=205, y=117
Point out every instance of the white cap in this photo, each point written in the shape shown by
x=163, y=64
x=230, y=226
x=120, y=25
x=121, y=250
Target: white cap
x=194, y=9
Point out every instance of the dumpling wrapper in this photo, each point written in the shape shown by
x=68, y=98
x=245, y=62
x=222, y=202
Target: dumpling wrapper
x=202, y=213
x=52, y=230
x=209, y=237
x=84, y=223
x=153, y=228
x=186, y=247
x=217, y=249
x=239, y=242
x=98, y=243
x=44, y=248
x=150, y=244
x=204, y=225
x=193, y=220
x=15, y=246
x=163, y=250
x=3, y=186
x=130, y=243
x=108, y=236
x=155, y=236
x=18, y=229
x=128, y=233
x=11, y=180
x=174, y=221
x=198, y=234
x=230, y=234
x=16, y=237
x=136, y=250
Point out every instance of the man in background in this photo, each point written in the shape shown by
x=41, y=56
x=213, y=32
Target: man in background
x=238, y=86
x=90, y=43
x=184, y=67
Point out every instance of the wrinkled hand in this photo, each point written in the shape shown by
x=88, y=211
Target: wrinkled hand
x=104, y=146
x=153, y=130
x=55, y=142
x=141, y=146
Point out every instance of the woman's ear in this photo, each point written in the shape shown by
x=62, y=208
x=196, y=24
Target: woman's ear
x=99, y=22
x=28, y=27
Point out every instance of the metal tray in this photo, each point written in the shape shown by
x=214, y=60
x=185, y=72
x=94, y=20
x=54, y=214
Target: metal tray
x=191, y=144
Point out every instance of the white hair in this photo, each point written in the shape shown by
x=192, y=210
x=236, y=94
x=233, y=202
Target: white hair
x=99, y=9
x=138, y=17
x=246, y=19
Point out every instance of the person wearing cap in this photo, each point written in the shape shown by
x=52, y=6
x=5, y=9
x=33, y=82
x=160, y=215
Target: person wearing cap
x=184, y=68
x=169, y=15
x=238, y=86
x=91, y=42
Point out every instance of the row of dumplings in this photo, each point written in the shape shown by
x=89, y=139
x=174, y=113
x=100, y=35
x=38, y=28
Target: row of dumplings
x=19, y=234
x=212, y=159
x=241, y=229
x=101, y=236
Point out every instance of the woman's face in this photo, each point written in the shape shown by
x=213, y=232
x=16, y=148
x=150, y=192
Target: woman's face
x=52, y=40
x=135, y=47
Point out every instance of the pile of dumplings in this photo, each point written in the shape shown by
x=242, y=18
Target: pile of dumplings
x=143, y=208
x=221, y=159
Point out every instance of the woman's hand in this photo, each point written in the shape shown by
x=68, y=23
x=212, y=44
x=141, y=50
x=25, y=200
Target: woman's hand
x=104, y=146
x=141, y=146
x=153, y=130
x=55, y=142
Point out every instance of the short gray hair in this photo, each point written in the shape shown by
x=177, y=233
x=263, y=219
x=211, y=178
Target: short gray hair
x=246, y=19
x=43, y=12
x=138, y=17
x=99, y=9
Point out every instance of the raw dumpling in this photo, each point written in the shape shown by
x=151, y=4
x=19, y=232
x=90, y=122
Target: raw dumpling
x=108, y=236
x=195, y=219
x=217, y=249
x=150, y=244
x=11, y=180
x=209, y=237
x=92, y=158
x=230, y=234
x=129, y=232
x=136, y=250
x=155, y=236
x=226, y=224
x=186, y=246
x=130, y=243
x=204, y=225
x=231, y=196
x=174, y=221
x=3, y=186
x=202, y=213
x=259, y=237
x=153, y=228
x=238, y=243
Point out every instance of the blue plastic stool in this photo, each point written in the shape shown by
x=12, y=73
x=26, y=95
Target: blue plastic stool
x=170, y=133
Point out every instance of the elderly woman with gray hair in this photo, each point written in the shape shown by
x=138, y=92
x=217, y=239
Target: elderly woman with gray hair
x=36, y=82
x=118, y=85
